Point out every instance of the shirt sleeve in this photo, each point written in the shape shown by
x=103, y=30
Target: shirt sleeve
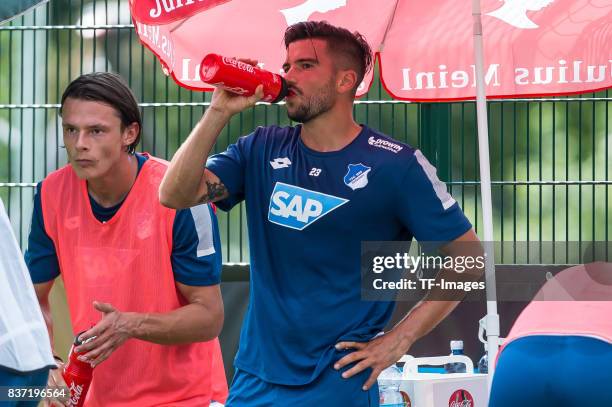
x=40, y=256
x=230, y=167
x=425, y=206
x=196, y=251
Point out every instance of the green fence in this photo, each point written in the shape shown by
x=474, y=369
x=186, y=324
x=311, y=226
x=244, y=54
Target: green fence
x=550, y=158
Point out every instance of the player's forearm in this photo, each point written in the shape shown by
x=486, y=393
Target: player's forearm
x=42, y=294
x=46, y=311
x=45, y=307
x=190, y=323
x=436, y=306
x=422, y=319
x=182, y=185
x=439, y=303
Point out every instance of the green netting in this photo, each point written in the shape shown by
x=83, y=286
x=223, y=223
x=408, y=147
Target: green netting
x=550, y=158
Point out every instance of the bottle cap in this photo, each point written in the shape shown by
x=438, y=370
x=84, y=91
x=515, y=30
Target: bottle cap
x=284, y=90
x=456, y=345
x=78, y=341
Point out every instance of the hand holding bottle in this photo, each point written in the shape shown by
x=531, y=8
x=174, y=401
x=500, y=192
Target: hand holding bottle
x=243, y=82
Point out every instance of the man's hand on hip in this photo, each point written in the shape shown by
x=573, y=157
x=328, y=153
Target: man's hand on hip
x=377, y=354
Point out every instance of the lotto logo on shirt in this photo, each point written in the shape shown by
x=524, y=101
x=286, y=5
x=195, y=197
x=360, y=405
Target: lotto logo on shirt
x=296, y=207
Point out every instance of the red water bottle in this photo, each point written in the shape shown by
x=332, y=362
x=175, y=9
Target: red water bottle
x=242, y=78
x=77, y=375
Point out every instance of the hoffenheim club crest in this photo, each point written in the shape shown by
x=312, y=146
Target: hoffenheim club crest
x=357, y=176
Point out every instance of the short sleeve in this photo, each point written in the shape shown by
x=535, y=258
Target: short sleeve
x=40, y=256
x=425, y=206
x=230, y=167
x=196, y=251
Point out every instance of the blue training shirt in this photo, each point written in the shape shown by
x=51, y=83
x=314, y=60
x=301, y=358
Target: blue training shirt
x=189, y=266
x=308, y=213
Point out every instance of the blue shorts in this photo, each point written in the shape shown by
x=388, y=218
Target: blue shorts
x=547, y=371
x=14, y=379
x=329, y=389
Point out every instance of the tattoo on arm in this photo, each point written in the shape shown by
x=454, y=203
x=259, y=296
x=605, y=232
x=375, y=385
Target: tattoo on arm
x=214, y=190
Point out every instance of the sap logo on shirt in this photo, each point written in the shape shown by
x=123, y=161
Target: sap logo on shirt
x=296, y=207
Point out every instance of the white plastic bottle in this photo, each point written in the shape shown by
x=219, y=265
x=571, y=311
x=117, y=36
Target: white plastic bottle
x=455, y=367
x=388, y=387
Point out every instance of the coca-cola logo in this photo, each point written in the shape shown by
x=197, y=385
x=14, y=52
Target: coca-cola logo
x=76, y=390
x=406, y=399
x=238, y=64
x=461, y=398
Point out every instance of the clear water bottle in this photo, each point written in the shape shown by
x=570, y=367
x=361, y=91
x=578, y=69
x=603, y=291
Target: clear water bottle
x=483, y=363
x=388, y=387
x=455, y=367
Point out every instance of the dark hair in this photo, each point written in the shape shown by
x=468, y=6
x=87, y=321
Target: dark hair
x=111, y=89
x=340, y=41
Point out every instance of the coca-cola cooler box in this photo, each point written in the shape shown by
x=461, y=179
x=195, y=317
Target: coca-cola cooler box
x=442, y=390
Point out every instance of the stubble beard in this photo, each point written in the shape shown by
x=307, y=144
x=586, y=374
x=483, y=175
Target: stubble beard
x=315, y=106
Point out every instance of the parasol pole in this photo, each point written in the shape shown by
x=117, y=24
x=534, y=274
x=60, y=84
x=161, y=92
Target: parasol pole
x=492, y=318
